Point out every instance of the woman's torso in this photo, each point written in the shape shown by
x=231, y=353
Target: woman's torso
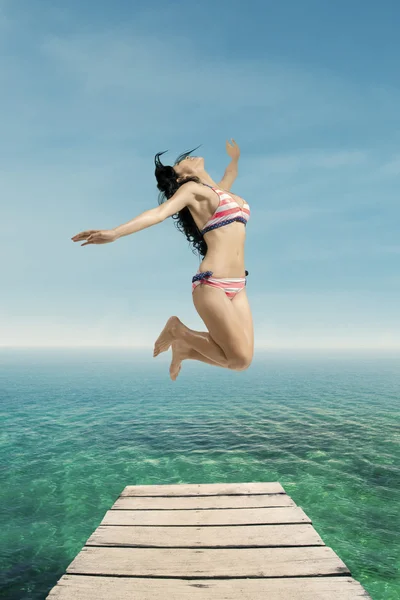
x=225, y=253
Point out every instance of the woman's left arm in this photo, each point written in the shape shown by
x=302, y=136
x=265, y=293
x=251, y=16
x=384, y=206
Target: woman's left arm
x=231, y=170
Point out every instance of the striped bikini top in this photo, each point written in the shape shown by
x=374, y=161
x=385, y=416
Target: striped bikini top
x=228, y=211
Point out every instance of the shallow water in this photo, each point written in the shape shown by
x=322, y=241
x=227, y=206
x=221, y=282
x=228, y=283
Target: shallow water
x=81, y=425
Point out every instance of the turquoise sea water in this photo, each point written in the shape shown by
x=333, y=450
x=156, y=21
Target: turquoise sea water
x=80, y=425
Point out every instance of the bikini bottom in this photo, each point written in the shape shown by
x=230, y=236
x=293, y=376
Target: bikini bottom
x=230, y=286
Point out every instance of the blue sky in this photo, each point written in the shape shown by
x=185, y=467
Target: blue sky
x=91, y=91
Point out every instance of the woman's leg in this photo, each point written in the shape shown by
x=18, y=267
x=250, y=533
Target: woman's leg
x=226, y=344
x=180, y=352
x=199, y=343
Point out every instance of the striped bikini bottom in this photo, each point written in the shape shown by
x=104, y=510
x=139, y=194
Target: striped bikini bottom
x=230, y=286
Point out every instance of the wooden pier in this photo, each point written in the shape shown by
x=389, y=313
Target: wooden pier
x=244, y=541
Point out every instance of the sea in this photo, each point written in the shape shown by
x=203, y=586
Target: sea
x=78, y=425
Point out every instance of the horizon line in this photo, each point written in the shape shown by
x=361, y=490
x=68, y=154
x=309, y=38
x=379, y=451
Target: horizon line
x=257, y=348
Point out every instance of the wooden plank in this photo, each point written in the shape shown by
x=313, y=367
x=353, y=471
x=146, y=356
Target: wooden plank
x=203, y=489
x=241, y=516
x=202, y=502
x=81, y=587
x=211, y=537
x=245, y=562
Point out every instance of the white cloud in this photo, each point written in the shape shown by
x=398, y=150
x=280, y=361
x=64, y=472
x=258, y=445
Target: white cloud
x=337, y=319
x=334, y=249
x=392, y=167
x=273, y=217
x=311, y=160
x=388, y=249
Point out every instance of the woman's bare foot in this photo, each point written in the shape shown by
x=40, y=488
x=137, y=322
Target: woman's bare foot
x=168, y=334
x=179, y=353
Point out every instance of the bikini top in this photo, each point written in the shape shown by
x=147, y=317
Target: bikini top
x=228, y=211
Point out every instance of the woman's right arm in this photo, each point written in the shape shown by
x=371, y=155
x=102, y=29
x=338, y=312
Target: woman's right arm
x=183, y=197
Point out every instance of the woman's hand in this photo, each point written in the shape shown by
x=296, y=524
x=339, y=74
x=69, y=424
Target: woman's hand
x=95, y=236
x=233, y=149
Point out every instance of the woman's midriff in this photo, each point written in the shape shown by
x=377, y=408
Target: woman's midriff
x=225, y=254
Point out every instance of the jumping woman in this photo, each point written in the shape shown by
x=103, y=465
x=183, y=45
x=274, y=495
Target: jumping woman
x=213, y=221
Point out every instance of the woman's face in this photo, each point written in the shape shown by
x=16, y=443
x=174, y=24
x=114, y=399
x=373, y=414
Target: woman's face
x=191, y=165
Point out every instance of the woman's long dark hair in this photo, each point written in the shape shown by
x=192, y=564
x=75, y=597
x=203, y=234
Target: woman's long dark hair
x=168, y=185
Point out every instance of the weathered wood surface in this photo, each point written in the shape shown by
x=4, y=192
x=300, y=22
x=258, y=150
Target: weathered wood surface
x=214, y=562
x=201, y=502
x=195, y=518
x=206, y=537
x=204, y=489
x=206, y=542
x=81, y=587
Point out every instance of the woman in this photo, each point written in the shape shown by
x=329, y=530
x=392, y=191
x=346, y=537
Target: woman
x=213, y=221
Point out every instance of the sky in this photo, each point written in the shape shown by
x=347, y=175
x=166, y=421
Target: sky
x=90, y=91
